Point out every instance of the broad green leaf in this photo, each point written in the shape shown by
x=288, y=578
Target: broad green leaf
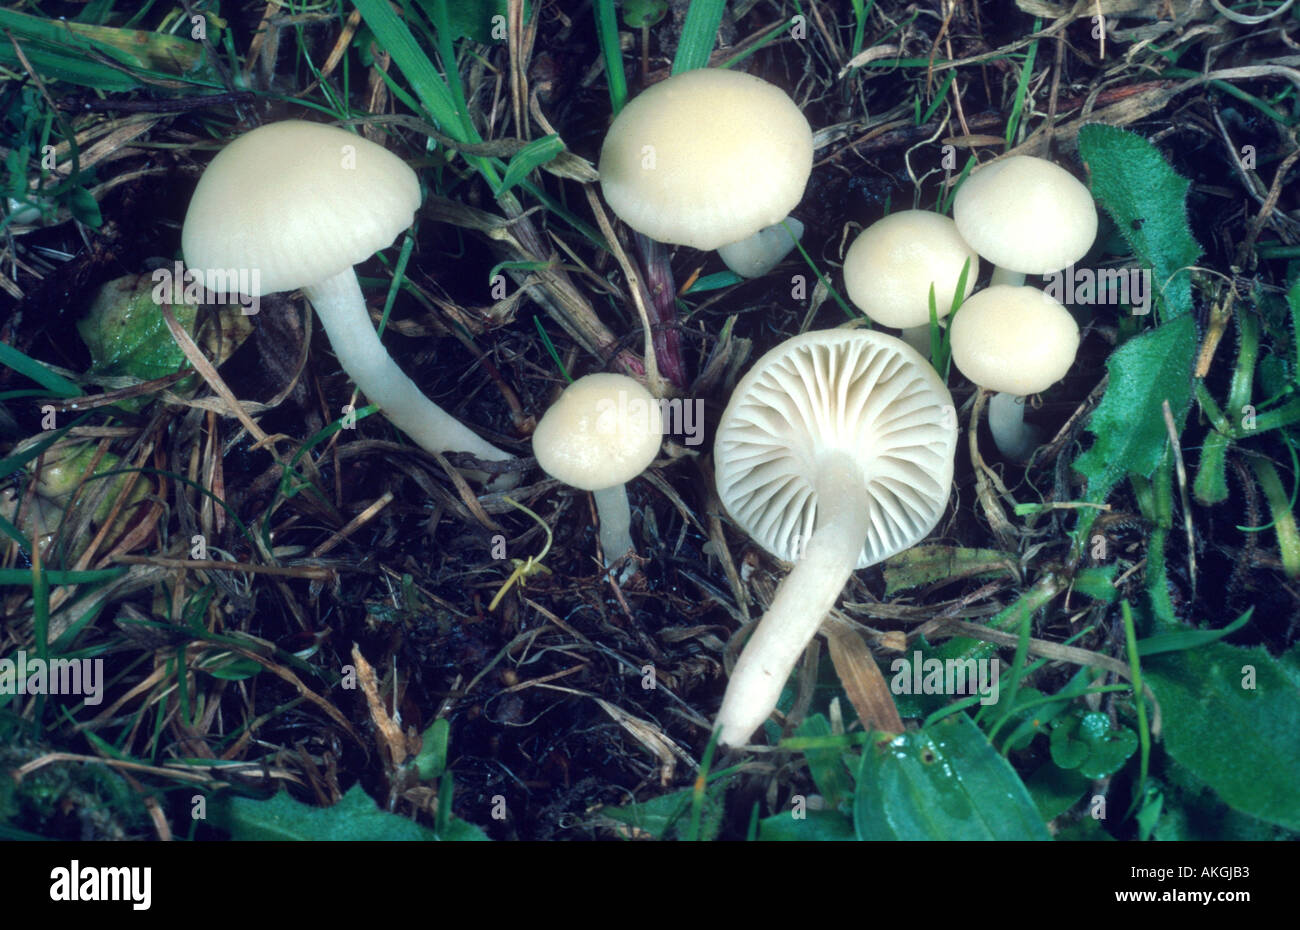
x=1054, y=789
x=535, y=153
x=473, y=19
x=811, y=827
x=127, y=335
x=1129, y=422
x=942, y=783
x=354, y=817
x=923, y=565
x=1191, y=811
x=1148, y=201
x=1231, y=717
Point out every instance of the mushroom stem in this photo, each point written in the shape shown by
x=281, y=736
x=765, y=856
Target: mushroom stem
x=756, y=255
x=342, y=311
x=918, y=337
x=801, y=603
x=1003, y=276
x=1015, y=439
x=615, y=522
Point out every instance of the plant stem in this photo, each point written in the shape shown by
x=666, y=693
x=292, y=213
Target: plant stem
x=665, y=329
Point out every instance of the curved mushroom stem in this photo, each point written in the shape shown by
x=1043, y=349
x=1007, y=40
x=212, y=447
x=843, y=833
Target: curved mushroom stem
x=801, y=603
x=1003, y=276
x=1015, y=439
x=615, y=517
x=342, y=311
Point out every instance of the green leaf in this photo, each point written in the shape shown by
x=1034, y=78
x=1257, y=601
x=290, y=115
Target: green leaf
x=1097, y=582
x=1148, y=201
x=354, y=817
x=1054, y=789
x=715, y=281
x=662, y=817
x=127, y=335
x=535, y=153
x=814, y=826
x=1231, y=717
x=923, y=565
x=826, y=766
x=1190, y=639
x=472, y=19
x=1129, y=422
x=432, y=759
x=638, y=14
x=942, y=783
x=1087, y=743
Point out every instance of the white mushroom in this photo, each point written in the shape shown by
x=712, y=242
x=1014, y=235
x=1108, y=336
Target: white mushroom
x=299, y=204
x=891, y=267
x=1016, y=341
x=835, y=452
x=1027, y=216
x=603, y=431
x=706, y=158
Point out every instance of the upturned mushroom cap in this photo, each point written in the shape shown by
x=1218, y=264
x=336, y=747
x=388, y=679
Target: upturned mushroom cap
x=1026, y=215
x=859, y=392
x=1016, y=340
x=890, y=267
x=705, y=158
x=603, y=431
x=298, y=201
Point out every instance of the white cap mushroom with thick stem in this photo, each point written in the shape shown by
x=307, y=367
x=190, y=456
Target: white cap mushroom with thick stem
x=706, y=158
x=1015, y=341
x=892, y=265
x=300, y=203
x=1026, y=215
x=835, y=452
x=603, y=431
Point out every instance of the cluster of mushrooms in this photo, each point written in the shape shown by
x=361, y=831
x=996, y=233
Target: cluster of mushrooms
x=835, y=450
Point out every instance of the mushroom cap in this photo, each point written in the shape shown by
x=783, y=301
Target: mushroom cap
x=1026, y=214
x=859, y=392
x=298, y=201
x=889, y=268
x=706, y=157
x=603, y=431
x=1016, y=340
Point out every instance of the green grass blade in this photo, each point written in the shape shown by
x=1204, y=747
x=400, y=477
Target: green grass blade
x=30, y=368
x=699, y=33
x=607, y=30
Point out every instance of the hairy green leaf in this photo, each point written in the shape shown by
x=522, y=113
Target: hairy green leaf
x=1231, y=717
x=1147, y=199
